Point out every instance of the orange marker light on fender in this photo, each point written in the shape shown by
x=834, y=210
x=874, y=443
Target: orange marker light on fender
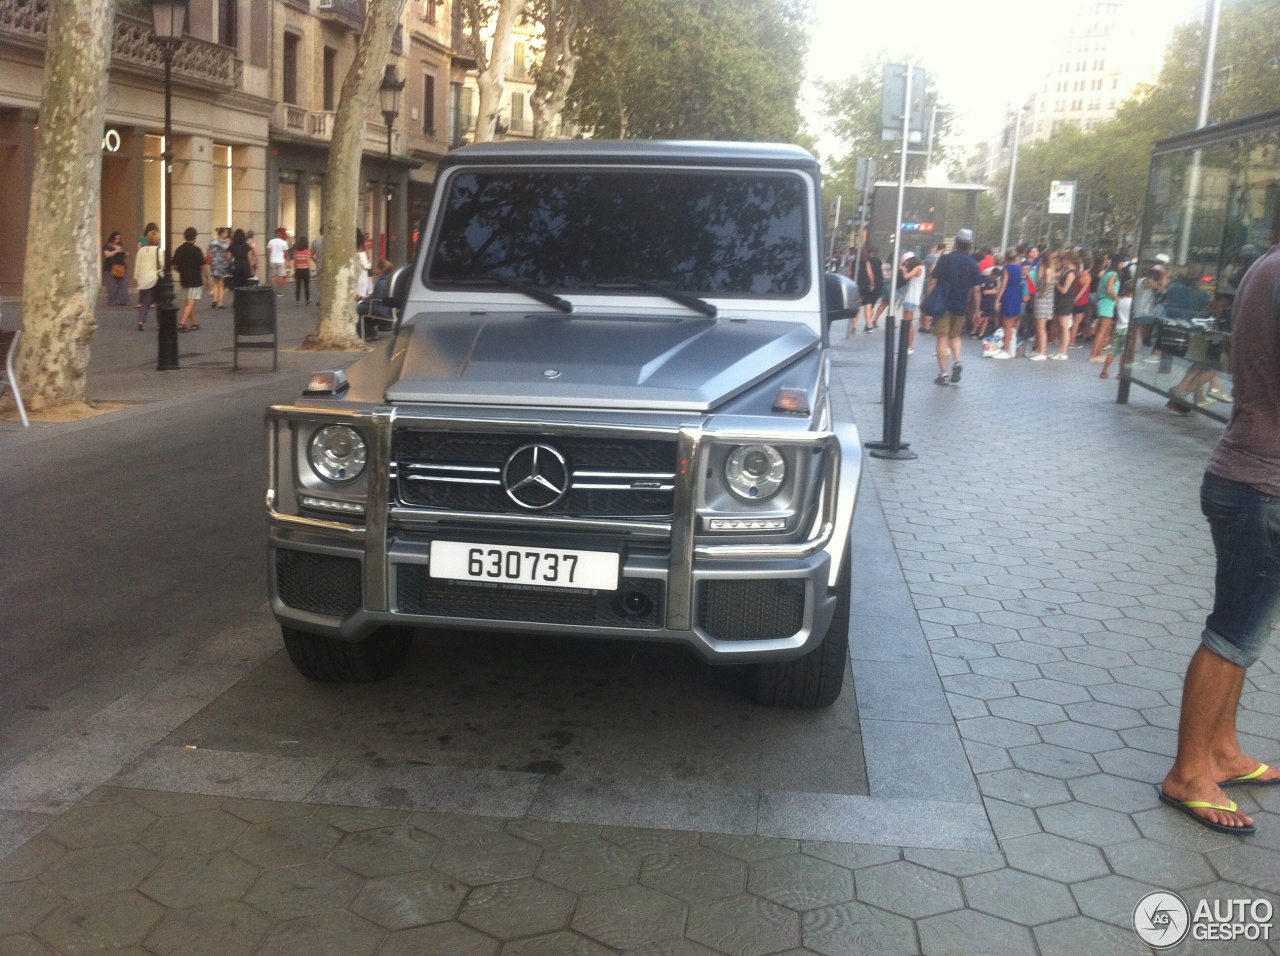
x=792, y=400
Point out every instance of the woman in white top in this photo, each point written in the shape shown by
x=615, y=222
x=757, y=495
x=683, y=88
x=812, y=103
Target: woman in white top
x=911, y=278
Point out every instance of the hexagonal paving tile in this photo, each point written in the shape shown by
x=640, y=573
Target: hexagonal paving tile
x=488, y=858
x=851, y=855
x=1052, y=691
x=642, y=841
x=354, y=819
x=30, y=860
x=629, y=917
x=1053, y=761
x=693, y=874
x=1027, y=710
x=1135, y=764
x=1114, y=793
x=1160, y=864
x=856, y=928
x=1023, y=787
x=743, y=926
x=329, y=934
x=595, y=865
x=1111, y=899
x=1080, y=934
x=907, y=889
x=956, y=862
x=410, y=899
x=969, y=932
x=563, y=943
x=1019, y=897
x=518, y=908
x=200, y=880
x=456, y=826
x=104, y=869
x=385, y=851
x=446, y=939
x=165, y=804
x=998, y=732
x=192, y=834
x=543, y=833
x=24, y=904
x=264, y=811
x=100, y=923
x=1249, y=865
x=287, y=842
x=306, y=890
x=99, y=825
x=977, y=686
x=1083, y=737
x=748, y=848
x=1095, y=826
x=224, y=929
x=800, y=882
x=1055, y=858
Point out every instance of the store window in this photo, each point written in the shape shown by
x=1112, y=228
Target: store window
x=287, y=206
x=153, y=181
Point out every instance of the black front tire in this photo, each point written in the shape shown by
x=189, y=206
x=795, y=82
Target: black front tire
x=331, y=661
x=816, y=679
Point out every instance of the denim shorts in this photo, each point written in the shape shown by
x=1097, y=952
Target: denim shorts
x=1245, y=524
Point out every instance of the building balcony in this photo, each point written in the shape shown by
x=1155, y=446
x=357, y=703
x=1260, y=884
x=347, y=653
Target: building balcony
x=343, y=13
x=205, y=64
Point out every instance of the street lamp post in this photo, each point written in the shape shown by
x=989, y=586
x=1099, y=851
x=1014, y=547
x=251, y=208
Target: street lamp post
x=1013, y=176
x=389, y=94
x=168, y=24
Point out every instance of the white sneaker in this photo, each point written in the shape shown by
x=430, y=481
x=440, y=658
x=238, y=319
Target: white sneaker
x=1039, y=357
x=1058, y=357
x=1002, y=355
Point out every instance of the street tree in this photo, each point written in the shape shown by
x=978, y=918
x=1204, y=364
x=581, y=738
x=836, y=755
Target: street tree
x=492, y=59
x=690, y=69
x=62, y=274
x=340, y=205
x=558, y=63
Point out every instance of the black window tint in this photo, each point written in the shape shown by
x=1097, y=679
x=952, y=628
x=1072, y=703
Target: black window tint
x=728, y=234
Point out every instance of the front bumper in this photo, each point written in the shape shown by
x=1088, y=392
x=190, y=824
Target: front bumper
x=744, y=603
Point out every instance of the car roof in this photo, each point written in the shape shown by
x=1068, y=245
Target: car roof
x=633, y=151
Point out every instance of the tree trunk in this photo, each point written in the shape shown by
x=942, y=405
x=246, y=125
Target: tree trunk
x=63, y=267
x=493, y=76
x=559, y=65
x=336, y=329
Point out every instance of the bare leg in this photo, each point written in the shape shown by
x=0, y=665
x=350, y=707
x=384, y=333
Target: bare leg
x=942, y=350
x=1042, y=336
x=1101, y=337
x=1209, y=694
x=908, y=317
x=1010, y=343
x=1064, y=341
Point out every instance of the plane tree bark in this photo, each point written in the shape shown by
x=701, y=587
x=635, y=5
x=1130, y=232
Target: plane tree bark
x=492, y=62
x=63, y=270
x=336, y=328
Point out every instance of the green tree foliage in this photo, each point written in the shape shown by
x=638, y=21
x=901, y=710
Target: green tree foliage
x=1111, y=162
x=691, y=69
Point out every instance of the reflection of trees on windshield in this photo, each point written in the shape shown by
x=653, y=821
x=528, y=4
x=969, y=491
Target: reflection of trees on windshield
x=704, y=233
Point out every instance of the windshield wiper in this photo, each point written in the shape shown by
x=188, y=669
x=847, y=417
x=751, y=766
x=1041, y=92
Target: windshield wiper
x=687, y=299
x=533, y=292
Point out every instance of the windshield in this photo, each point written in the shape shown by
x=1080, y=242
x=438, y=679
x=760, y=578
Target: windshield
x=706, y=233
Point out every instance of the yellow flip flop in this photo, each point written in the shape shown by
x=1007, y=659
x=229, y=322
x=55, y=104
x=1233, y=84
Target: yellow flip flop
x=1251, y=779
x=1189, y=807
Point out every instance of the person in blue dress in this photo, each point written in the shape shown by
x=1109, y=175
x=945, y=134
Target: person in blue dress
x=1009, y=303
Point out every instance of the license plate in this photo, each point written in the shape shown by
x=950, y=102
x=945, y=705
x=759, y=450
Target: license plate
x=544, y=567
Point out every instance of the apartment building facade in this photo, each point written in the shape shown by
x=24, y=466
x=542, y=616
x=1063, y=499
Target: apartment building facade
x=255, y=87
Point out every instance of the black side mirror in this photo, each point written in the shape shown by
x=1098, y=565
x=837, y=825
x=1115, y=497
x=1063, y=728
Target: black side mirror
x=398, y=290
x=843, y=298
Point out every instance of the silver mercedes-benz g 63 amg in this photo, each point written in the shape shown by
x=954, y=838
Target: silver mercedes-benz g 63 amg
x=604, y=412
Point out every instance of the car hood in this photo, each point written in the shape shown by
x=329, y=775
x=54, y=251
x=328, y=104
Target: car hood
x=596, y=361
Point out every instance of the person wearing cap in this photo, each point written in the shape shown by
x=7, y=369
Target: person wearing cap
x=1240, y=497
x=911, y=281
x=953, y=292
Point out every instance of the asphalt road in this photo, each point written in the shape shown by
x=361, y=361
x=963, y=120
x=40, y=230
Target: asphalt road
x=128, y=544
x=123, y=546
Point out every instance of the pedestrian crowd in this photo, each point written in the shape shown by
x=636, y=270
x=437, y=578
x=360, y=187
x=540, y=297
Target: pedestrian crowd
x=1028, y=301
x=230, y=262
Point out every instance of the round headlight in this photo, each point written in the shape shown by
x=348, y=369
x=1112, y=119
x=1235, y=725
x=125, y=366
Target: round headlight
x=338, y=453
x=755, y=472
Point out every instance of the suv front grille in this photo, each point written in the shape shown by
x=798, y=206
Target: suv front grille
x=608, y=477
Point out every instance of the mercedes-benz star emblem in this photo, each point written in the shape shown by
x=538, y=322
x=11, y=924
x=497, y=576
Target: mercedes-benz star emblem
x=535, y=476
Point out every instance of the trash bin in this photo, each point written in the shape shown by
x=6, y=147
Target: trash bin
x=255, y=316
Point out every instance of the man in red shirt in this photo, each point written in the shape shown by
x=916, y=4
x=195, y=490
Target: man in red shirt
x=1241, y=498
